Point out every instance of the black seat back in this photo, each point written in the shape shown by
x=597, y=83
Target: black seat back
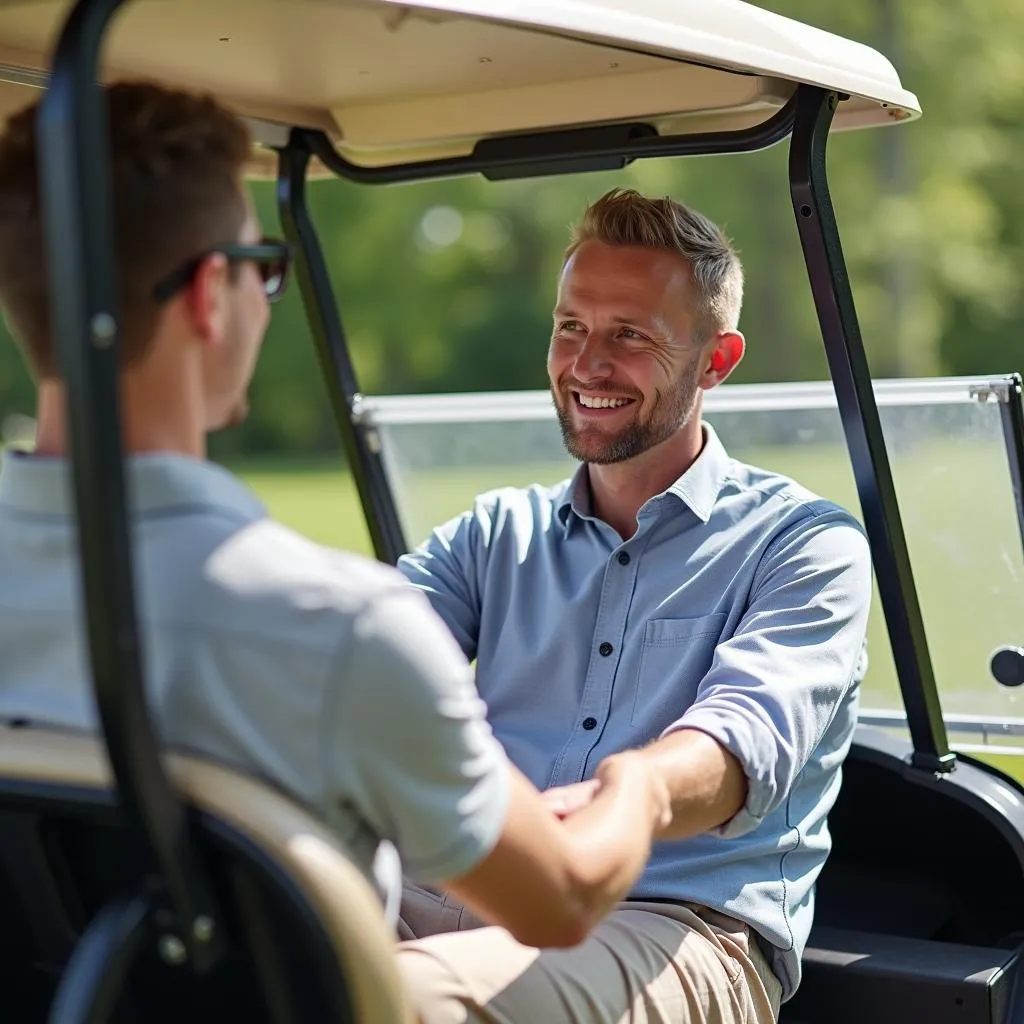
x=922, y=857
x=64, y=855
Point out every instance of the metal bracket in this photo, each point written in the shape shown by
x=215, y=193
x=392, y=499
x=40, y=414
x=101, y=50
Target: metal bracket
x=992, y=391
x=358, y=410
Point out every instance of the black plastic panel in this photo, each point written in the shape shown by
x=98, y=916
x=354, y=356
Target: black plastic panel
x=920, y=907
x=853, y=977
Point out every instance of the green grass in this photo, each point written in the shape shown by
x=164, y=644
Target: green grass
x=958, y=517
x=1012, y=764
x=318, y=499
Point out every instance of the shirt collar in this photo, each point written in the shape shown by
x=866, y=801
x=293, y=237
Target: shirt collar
x=697, y=488
x=157, y=481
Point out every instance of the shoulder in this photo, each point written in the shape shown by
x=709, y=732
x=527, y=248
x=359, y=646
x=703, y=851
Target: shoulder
x=265, y=579
x=779, y=497
x=536, y=504
x=786, y=520
x=359, y=618
x=515, y=511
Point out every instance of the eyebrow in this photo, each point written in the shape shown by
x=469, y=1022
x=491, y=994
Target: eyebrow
x=619, y=318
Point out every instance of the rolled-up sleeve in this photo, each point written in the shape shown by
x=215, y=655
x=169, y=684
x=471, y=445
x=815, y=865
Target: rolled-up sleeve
x=775, y=685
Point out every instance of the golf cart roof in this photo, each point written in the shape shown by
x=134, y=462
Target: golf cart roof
x=391, y=82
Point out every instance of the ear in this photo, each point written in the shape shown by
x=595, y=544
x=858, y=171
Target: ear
x=722, y=355
x=207, y=299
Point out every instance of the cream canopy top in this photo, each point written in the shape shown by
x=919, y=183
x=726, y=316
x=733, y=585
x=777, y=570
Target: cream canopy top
x=391, y=82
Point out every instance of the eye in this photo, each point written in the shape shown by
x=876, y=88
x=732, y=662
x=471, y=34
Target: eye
x=630, y=335
x=570, y=326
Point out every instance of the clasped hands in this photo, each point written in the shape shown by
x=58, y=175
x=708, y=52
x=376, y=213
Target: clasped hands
x=630, y=772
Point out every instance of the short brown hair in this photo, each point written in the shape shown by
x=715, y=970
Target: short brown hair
x=176, y=175
x=625, y=217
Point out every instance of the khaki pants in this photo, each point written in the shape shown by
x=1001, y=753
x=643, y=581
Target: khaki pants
x=646, y=963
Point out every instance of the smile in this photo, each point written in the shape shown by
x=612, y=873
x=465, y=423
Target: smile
x=600, y=402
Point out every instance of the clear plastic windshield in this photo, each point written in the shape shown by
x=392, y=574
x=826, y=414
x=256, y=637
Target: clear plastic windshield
x=950, y=465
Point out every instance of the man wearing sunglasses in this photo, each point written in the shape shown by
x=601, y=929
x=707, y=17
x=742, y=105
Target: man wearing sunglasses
x=321, y=671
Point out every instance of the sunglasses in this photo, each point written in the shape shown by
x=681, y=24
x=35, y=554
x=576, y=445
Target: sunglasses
x=273, y=260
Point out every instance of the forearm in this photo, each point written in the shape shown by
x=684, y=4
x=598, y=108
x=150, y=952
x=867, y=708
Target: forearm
x=706, y=784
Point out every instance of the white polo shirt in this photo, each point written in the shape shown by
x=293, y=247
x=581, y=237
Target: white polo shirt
x=322, y=672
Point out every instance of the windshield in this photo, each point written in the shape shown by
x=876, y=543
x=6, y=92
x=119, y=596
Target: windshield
x=949, y=462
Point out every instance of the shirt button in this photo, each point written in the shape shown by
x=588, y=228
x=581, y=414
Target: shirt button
x=605, y=649
x=589, y=723
x=623, y=558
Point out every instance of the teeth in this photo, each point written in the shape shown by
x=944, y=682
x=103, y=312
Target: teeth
x=600, y=403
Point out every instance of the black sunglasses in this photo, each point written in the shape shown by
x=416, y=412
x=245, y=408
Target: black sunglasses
x=272, y=258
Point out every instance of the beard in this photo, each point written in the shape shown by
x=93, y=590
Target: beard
x=669, y=412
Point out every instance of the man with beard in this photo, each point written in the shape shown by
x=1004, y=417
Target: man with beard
x=667, y=598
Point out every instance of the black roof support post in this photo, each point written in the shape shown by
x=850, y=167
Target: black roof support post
x=76, y=202
x=1012, y=413
x=332, y=351
x=833, y=299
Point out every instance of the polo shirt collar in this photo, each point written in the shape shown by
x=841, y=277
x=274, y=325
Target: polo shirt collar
x=157, y=481
x=697, y=488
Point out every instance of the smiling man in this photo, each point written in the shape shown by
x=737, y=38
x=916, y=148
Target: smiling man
x=667, y=598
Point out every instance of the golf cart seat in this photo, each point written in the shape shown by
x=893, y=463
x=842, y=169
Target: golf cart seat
x=920, y=902
x=306, y=930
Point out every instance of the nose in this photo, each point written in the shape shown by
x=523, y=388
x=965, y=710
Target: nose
x=593, y=360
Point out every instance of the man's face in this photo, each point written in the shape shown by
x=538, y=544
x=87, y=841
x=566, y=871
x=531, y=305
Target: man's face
x=624, y=361
x=230, y=365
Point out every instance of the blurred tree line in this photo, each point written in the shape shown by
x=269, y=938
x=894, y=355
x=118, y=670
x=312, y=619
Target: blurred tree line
x=448, y=286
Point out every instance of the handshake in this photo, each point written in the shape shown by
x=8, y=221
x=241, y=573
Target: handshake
x=630, y=777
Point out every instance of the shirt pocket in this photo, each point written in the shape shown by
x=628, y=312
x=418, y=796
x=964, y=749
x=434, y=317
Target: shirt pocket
x=676, y=656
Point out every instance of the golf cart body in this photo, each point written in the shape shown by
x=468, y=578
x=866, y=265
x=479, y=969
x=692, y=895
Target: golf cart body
x=127, y=868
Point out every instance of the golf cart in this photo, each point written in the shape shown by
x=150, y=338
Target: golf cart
x=141, y=885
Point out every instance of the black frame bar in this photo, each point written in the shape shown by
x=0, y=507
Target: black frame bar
x=517, y=156
x=833, y=299
x=332, y=350
x=93, y=981
x=1012, y=413
x=76, y=204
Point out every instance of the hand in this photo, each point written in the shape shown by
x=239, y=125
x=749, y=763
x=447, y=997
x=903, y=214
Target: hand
x=565, y=800
x=633, y=772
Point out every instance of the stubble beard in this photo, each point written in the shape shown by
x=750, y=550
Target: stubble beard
x=670, y=412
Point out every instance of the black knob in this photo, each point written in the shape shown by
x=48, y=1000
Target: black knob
x=1007, y=665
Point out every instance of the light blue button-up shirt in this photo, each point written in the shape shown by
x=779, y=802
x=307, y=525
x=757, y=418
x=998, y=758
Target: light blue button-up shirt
x=739, y=608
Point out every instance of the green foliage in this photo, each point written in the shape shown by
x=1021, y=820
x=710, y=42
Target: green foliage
x=447, y=286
